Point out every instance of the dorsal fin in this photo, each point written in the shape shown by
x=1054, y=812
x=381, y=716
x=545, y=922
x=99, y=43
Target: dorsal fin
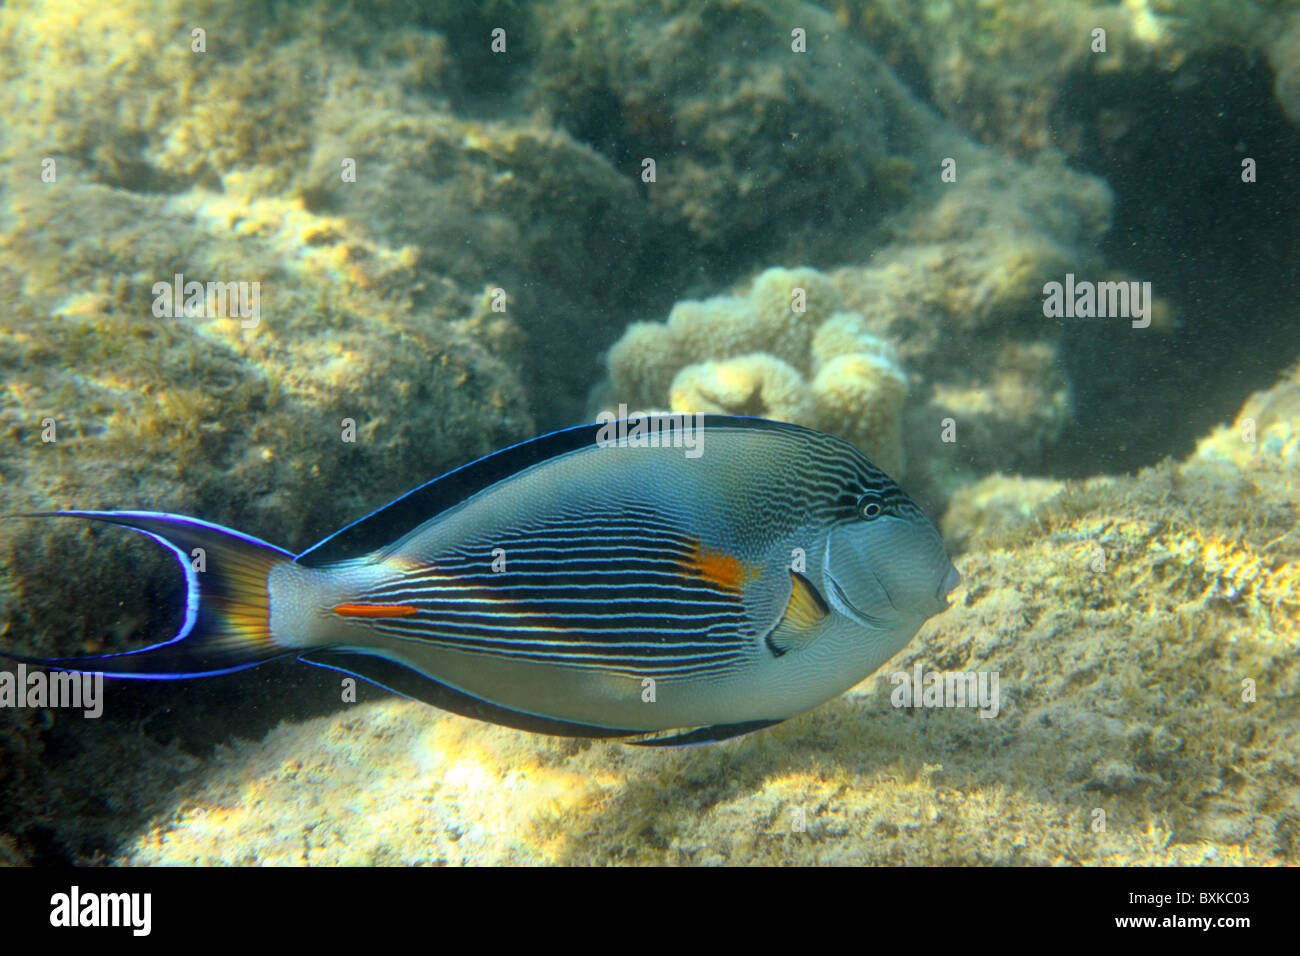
x=385, y=525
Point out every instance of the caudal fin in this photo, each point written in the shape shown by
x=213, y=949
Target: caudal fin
x=227, y=607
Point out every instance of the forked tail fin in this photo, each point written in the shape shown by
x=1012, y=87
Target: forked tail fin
x=227, y=606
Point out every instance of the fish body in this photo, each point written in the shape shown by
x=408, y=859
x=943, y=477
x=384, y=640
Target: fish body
x=582, y=585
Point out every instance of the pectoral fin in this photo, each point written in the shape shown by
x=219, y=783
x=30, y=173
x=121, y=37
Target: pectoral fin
x=807, y=609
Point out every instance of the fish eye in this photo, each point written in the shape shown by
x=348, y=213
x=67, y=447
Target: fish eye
x=870, y=506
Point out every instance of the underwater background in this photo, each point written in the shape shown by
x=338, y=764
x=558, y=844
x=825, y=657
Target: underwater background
x=459, y=247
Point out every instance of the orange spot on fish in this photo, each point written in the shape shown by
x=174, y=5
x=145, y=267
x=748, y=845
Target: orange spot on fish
x=374, y=610
x=723, y=569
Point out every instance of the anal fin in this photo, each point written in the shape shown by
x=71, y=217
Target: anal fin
x=698, y=735
x=399, y=679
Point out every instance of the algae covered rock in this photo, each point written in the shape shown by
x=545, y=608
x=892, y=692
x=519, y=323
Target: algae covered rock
x=332, y=399
x=737, y=110
x=1004, y=71
x=351, y=114
x=1284, y=52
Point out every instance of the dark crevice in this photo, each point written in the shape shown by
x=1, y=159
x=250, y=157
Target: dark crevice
x=486, y=84
x=1222, y=252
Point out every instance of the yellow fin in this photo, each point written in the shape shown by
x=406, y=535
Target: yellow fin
x=805, y=611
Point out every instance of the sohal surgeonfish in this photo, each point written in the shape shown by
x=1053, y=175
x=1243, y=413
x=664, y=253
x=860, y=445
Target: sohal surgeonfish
x=670, y=580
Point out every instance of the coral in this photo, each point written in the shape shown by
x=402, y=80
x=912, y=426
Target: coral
x=722, y=327
x=779, y=312
x=757, y=384
x=644, y=361
x=784, y=351
x=860, y=396
x=844, y=333
x=784, y=332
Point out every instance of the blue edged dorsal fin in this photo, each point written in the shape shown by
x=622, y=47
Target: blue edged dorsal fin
x=385, y=525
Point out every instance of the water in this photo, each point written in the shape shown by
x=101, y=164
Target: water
x=278, y=271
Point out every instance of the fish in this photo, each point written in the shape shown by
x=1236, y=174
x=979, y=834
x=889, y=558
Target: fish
x=666, y=581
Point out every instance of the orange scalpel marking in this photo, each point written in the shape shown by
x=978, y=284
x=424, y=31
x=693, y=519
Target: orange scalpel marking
x=721, y=568
x=374, y=610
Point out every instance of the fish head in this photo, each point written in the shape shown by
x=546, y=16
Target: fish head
x=887, y=568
